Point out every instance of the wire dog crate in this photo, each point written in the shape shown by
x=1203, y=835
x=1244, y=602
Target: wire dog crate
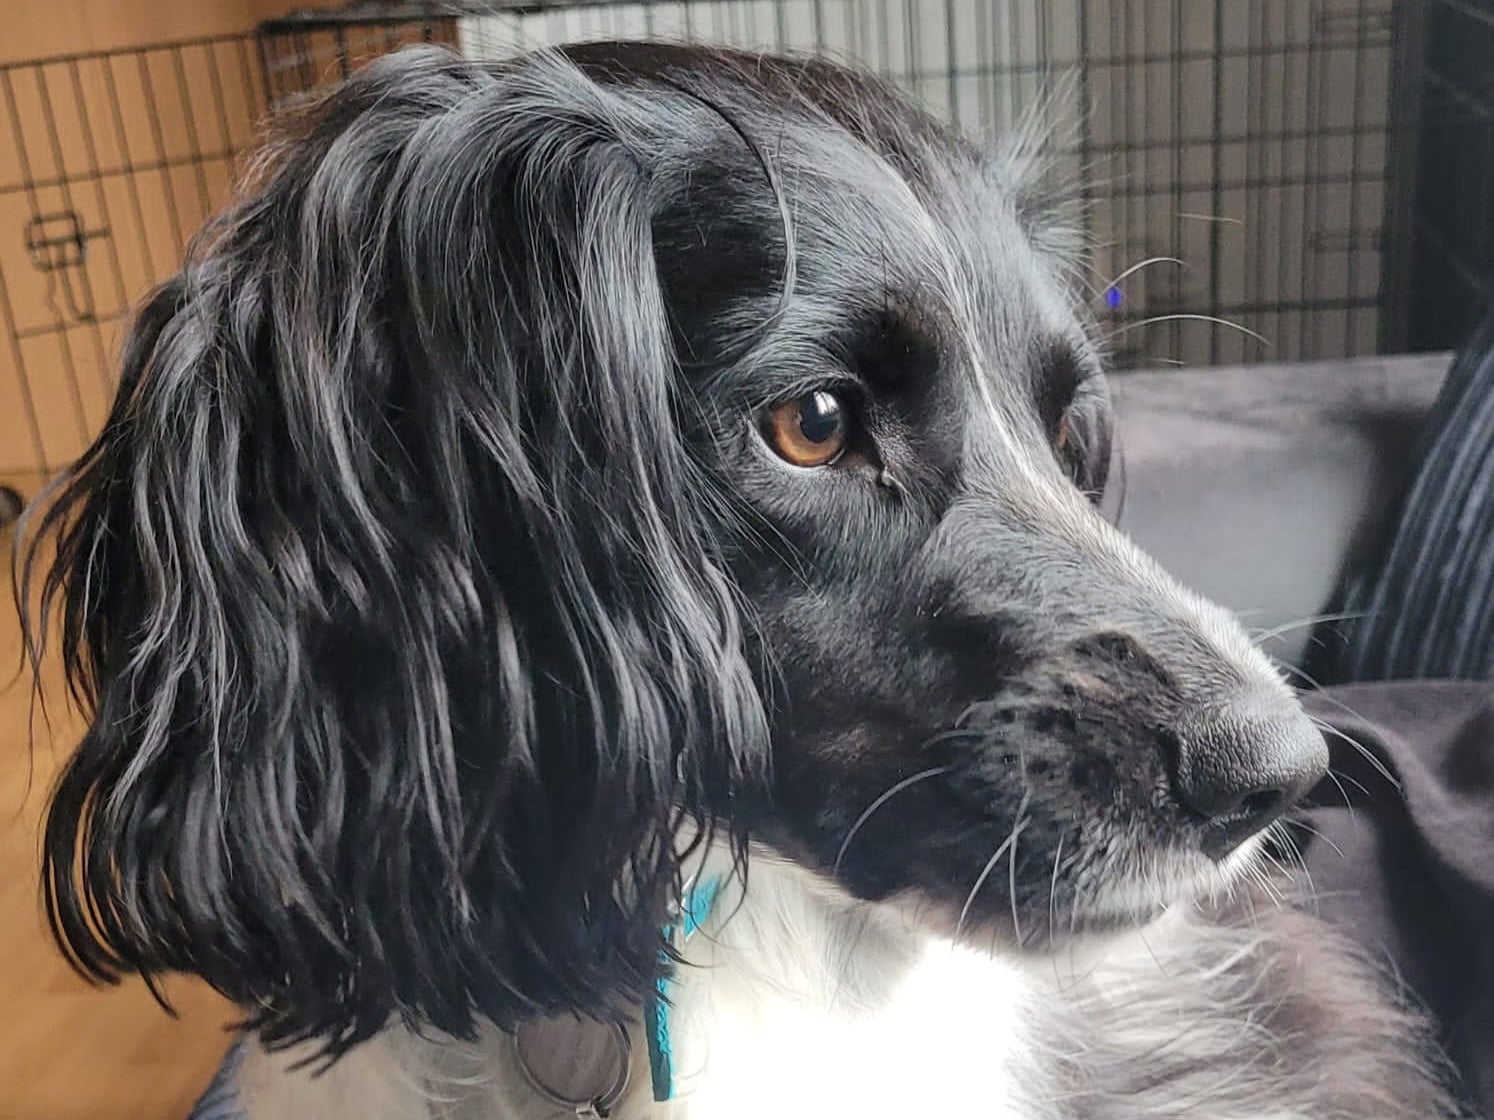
x=1280, y=165
x=108, y=163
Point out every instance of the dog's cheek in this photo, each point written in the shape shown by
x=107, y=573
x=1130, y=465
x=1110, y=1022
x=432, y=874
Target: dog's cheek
x=848, y=803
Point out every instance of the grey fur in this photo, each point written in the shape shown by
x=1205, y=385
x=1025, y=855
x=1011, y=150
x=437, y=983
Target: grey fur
x=1252, y=1013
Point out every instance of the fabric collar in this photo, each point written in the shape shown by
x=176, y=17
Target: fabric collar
x=694, y=909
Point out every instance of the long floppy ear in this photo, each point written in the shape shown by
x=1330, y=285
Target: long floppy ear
x=408, y=652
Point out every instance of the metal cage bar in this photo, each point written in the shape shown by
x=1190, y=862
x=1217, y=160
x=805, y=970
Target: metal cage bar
x=109, y=164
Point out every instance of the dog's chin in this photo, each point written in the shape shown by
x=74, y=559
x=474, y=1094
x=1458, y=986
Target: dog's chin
x=1174, y=879
x=1086, y=923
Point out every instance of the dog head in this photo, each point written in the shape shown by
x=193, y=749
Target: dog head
x=544, y=461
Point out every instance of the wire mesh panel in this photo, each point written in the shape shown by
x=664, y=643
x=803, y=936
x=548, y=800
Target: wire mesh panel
x=109, y=163
x=1233, y=155
x=299, y=55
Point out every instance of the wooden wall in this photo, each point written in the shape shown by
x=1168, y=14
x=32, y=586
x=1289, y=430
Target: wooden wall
x=42, y=28
x=115, y=147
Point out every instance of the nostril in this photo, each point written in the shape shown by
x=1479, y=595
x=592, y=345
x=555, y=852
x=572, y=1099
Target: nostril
x=1237, y=772
x=1227, y=802
x=1263, y=803
x=1231, y=817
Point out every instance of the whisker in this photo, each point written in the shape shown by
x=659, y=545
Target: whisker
x=1011, y=874
x=1138, y=266
x=1075, y=897
x=922, y=775
x=1053, y=890
x=990, y=866
x=1314, y=683
x=1222, y=219
x=1286, y=874
x=1369, y=755
x=1293, y=853
x=1328, y=729
x=1262, y=880
x=1262, y=636
x=1152, y=320
x=982, y=877
x=1333, y=776
x=1353, y=781
x=1307, y=828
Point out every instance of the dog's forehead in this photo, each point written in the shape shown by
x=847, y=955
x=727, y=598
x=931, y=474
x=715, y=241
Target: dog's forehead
x=883, y=202
x=946, y=247
x=924, y=232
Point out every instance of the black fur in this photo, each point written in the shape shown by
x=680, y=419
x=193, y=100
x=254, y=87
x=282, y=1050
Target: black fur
x=431, y=582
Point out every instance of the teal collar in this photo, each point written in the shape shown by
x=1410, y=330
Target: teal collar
x=695, y=908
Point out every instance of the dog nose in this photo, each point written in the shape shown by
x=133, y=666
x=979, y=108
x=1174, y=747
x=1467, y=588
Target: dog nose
x=1241, y=769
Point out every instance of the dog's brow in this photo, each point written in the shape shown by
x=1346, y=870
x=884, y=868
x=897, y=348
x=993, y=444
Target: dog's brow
x=896, y=340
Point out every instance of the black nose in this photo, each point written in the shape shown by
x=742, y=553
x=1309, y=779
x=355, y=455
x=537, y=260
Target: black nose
x=1241, y=768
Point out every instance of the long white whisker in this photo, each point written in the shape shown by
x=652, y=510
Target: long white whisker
x=1287, y=876
x=1328, y=729
x=1222, y=219
x=1053, y=890
x=1011, y=874
x=1369, y=756
x=1268, y=888
x=1261, y=636
x=990, y=866
x=1293, y=852
x=1334, y=700
x=1307, y=828
x=984, y=875
x=1181, y=317
x=922, y=775
x=1339, y=785
x=1138, y=266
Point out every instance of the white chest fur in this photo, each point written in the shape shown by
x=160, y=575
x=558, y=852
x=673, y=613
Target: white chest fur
x=798, y=1006
x=793, y=1004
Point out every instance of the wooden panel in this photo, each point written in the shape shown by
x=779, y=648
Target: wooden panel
x=41, y=28
x=68, y=1050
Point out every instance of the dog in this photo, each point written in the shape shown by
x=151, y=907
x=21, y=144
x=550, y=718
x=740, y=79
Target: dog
x=593, y=601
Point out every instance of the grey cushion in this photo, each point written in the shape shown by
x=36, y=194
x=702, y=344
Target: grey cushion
x=1253, y=484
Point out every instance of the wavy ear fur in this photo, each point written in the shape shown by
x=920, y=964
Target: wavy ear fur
x=386, y=582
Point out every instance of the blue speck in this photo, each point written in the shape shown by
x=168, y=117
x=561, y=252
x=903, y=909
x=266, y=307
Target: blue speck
x=1113, y=298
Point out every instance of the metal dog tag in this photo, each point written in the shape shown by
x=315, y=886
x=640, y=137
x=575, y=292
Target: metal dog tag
x=579, y=1064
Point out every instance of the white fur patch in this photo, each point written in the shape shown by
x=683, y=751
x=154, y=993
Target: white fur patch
x=800, y=1006
x=798, y=1003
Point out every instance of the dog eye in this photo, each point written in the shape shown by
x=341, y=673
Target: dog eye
x=808, y=431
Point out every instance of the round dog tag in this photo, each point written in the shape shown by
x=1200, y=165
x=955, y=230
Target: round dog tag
x=577, y=1063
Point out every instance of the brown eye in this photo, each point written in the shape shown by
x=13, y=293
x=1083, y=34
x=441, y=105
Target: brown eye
x=808, y=431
